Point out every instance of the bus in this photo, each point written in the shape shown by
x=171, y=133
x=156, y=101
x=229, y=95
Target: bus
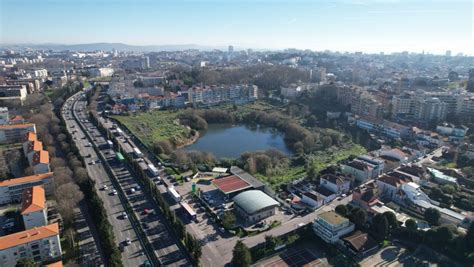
x=120, y=156
x=189, y=211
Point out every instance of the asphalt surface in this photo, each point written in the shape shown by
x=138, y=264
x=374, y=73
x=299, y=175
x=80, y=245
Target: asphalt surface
x=133, y=254
x=164, y=244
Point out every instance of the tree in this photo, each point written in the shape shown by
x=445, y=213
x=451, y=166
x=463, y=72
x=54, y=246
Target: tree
x=411, y=224
x=341, y=210
x=228, y=220
x=469, y=238
x=241, y=256
x=25, y=262
x=432, y=216
x=326, y=141
x=379, y=227
x=391, y=220
x=359, y=217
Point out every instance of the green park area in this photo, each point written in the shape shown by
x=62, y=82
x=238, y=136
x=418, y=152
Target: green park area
x=156, y=126
x=314, y=148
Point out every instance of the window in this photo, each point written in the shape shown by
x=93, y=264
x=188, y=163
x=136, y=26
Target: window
x=36, y=252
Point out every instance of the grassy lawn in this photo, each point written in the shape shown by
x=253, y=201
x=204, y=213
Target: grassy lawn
x=321, y=160
x=156, y=126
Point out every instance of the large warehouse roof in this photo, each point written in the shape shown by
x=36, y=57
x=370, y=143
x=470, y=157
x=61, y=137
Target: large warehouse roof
x=253, y=201
x=231, y=184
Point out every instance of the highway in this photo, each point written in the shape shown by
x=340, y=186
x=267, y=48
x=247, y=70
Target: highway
x=133, y=254
x=164, y=245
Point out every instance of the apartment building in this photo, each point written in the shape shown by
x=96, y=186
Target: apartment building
x=33, y=208
x=431, y=109
x=330, y=226
x=335, y=183
x=39, y=243
x=4, y=116
x=41, y=162
x=15, y=133
x=12, y=94
x=12, y=190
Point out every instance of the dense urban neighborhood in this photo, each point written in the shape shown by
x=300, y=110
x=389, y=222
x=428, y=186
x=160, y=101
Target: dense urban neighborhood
x=233, y=157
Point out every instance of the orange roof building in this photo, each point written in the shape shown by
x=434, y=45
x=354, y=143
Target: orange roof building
x=39, y=243
x=41, y=162
x=33, y=208
x=34, y=199
x=12, y=190
x=55, y=264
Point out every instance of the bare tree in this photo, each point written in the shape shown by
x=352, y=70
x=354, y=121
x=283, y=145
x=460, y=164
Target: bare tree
x=62, y=175
x=68, y=196
x=81, y=175
x=57, y=162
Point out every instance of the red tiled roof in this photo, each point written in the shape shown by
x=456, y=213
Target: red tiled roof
x=33, y=200
x=13, y=126
x=231, y=184
x=393, y=181
x=26, y=179
x=28, y=236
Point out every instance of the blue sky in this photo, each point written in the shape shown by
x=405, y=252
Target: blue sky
x=342, y=25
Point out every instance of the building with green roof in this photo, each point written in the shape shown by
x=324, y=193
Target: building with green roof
x=254, y=206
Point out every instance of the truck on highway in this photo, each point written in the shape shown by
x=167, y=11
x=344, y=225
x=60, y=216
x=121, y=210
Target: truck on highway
x=174, y=194
x=153, y=170
x=137, y=152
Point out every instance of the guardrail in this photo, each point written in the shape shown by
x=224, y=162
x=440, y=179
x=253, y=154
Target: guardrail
x=133, y=219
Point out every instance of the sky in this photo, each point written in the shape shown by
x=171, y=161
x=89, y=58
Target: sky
x=337, y=25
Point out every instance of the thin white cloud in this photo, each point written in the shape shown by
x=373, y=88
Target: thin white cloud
x=290, y=21
x=410, y=11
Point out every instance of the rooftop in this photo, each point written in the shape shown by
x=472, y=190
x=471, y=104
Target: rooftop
x=26, y=179
x=28, y=236
x=252, y=201
x=334, y=179
x=393, y=181
x=332, y=218
x=246, y=176
x=33, y=200
x=360, y=242
x=30, y=136
x=13, y=126
x=230, y=184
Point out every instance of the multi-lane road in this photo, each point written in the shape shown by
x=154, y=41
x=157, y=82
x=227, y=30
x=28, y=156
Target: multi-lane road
x=133, y=254
x=157, y=244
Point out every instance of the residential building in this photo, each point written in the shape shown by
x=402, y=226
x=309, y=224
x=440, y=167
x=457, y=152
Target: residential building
x=366, y=195
x=101, y=72
x=32, y=149
x=394, y=153
x=330, y=226
x=39, y=73
x=15, y=133
x=450, y=129
x=4, y=116
x=11, y=190
x=360, y=244
x=335, y=183
x=11, y=95
x=389, y=185
x=33, y=208
x=431, y=109
x=377, y=163
x=360, y=170
x=313, y=199
x=29, y=138
x=40, y=244
x=254, y=206
x=41, y=162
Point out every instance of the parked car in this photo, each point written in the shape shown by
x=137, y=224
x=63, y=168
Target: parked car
x=127, y=241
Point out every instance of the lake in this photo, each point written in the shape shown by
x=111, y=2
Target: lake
x=230, y=141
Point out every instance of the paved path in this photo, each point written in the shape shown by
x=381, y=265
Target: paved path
x=87, y=239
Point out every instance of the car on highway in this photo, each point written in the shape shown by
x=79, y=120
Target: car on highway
x=104, y=187
x=113, y=192
x=127, y=241
x=124, y=215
